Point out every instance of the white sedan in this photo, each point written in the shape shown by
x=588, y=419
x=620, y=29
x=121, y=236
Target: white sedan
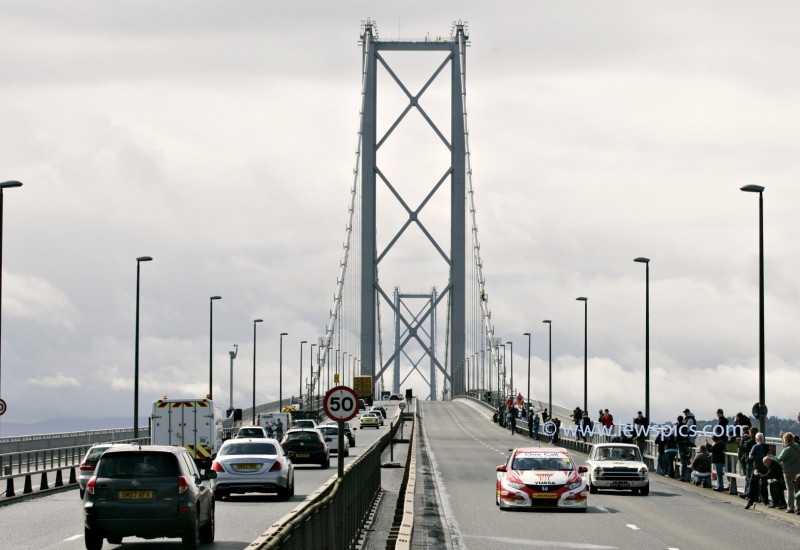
x=331, y=434
x=252, y=466
x=619, y=467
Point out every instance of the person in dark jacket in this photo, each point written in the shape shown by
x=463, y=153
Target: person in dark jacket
x=701, y=467
x=758, y=489
x=773, y=477
x=718, y=461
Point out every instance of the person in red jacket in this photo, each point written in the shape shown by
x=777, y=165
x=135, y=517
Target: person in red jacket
x=608, y=419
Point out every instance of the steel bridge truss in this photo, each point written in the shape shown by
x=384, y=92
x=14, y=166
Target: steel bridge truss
x=455, y=292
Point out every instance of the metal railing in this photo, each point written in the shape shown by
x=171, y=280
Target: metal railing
x=334, y=515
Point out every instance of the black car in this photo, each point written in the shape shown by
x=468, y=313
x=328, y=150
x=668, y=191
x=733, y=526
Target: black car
x=149, y=491
x=306, y=446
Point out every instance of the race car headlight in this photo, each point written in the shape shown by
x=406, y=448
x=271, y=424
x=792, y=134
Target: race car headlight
x=515, y=485
x=575, y=485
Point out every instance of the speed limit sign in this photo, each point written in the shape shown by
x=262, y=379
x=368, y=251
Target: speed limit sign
x=2, y=407
x=341, y=403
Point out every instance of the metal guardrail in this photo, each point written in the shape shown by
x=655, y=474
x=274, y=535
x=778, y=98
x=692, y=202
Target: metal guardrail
x=333, y=516
x=406, y=531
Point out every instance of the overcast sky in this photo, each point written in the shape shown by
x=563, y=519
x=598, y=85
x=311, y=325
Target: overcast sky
x=220, y=137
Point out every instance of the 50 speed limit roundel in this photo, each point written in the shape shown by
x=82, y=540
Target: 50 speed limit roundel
x=341, y=403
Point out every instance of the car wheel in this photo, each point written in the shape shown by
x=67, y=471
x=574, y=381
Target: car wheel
x=191, y=537
x=645, y=490
x=219, y=494
x=592, y=488
x=207, y=531
x=291, y=488
x=81, y=492
x=635, y=491
x=114, y=540
x=283, y=493
x=326, y=464
x=92, y=539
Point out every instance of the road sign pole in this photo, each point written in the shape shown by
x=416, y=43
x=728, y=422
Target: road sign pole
x=340, y=452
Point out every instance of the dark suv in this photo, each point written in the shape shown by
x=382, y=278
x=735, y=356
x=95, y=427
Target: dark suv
x=150, y=491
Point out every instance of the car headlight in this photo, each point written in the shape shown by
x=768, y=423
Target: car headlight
x=515, y=485
x=643, y=471
x=575, y=485
x=598, y=472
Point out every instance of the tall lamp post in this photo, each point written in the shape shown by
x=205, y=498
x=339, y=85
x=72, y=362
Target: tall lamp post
x=585, y=301
x=301, y=372
x=280, y=373
x=511, y=380
x=550, y=364
x=233, y=355
x=311, y=368
x=139, y=261
x=761, y=385
x=502, y=386
x=5, y=185
x=646, y=262
x=255, y=323
x=528, y=334
x=211, y=343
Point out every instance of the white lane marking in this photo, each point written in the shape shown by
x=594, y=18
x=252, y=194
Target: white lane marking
x=74, y=537
x=631, y=526
x=444, y=498
x=602, y=509
x=529, y=543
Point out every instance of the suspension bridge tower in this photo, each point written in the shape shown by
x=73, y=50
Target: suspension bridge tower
x=452, y=255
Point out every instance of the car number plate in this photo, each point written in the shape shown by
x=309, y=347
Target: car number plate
x=302, y=455
x=620, y=484
x=247, y=466
x=135, y=495
x=545, y=495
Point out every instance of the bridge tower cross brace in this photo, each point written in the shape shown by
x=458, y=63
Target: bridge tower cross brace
x=370, y=290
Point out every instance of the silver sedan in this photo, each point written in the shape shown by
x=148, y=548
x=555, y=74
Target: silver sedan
x=331, y=434
x=252, y=466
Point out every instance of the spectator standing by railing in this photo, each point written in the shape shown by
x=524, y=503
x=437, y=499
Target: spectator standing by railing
x=661, y=445
x=641, y=433
x=718, y=461
x=684, y=447
x=586, y=426
x=758, y=487
x=691, y=425
x=723, y=421
x=789, y=459
x=746, y=443
x=536, y=427
x=671, y=451
x=530, y=423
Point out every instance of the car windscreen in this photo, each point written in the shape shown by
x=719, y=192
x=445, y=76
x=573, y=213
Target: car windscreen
x=137, y=465
x=302, y=436
x=248, y=449
x=94, y=453
x=618, y=453
x=329, y=431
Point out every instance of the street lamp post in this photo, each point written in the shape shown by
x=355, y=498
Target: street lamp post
x=761, y=383
x=585, y=352
x=280, y=373
x=502, y=387
x=139, y=261
x=646, y=262
x=311, y=368
x=233, y=355
x=3, y=186
x=528, y=334
x=211, y=343
x=550, y=364
x=301, y=372
x=255, y=323
x=511, y=380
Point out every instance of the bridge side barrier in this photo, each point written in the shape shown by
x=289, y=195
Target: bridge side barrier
x=405, y=532
x=332, y=516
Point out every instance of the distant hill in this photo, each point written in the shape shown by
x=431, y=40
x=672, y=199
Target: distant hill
x=61, y=425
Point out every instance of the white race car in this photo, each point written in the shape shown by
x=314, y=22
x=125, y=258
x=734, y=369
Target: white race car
x=541, y=477
x=617, y=466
